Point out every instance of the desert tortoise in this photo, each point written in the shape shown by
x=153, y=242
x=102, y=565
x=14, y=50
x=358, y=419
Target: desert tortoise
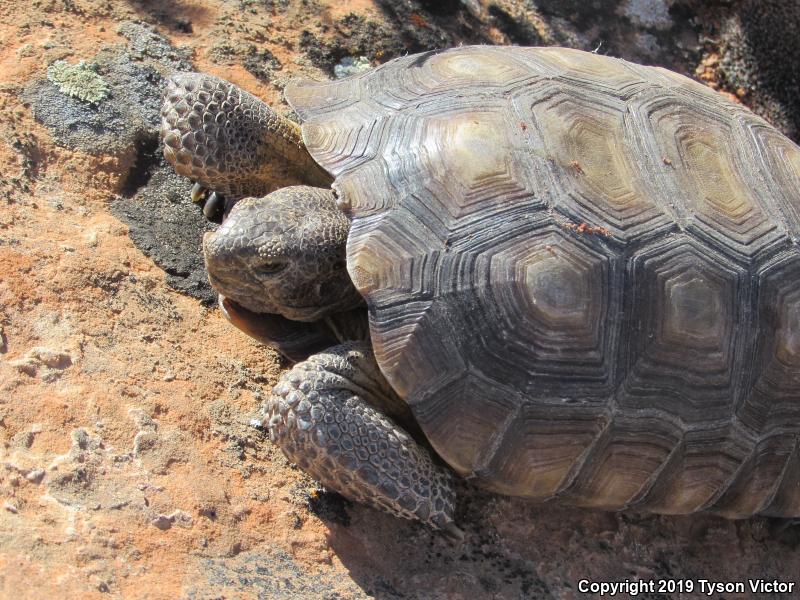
x=581, y=275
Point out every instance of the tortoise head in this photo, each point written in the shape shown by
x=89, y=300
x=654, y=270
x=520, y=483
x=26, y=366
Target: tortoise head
x=284, y=254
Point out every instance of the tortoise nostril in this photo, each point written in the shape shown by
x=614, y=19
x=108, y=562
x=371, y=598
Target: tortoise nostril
x=216, y=252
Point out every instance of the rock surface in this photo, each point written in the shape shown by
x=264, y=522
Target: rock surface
x=130, y=466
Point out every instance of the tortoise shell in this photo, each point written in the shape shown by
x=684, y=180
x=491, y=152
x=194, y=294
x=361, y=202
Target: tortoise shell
x=582, y=274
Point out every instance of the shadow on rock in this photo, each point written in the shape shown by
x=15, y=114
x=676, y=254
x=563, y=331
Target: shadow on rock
x=518, y=549
x=167, y=227
x=653, y=32
x=761, y=44
x=123, y=121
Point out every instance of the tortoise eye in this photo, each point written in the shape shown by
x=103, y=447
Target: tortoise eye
x=270, y=267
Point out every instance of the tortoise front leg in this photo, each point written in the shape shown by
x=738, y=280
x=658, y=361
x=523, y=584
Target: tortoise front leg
x=329, y=415
x=231, y=143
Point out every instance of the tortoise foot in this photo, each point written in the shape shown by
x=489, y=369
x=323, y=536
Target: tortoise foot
x=323, y=416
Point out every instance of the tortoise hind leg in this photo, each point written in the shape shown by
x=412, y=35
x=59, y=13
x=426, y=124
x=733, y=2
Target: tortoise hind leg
x=328, y=415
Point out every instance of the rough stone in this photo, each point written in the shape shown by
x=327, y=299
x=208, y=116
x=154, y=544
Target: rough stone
x=270, y=573
x=166, y=226
x=114, y=125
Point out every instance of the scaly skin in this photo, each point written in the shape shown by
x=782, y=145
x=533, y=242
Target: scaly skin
x=231, y=142
x=319, y=417
x=283, y=256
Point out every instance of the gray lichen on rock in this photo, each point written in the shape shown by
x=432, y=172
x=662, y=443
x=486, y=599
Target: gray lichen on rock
x=648, y=13
x=146, y=44
x=153, y=201
x=79, y=80
x=351, y=66
x=131, y=77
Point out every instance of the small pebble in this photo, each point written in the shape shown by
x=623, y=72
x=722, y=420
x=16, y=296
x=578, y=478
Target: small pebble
x=25, y=365
x=35, y=476
x=10, y=508
x=55, y=359
x=26, y=51
x=163, y=522
x=181, y=518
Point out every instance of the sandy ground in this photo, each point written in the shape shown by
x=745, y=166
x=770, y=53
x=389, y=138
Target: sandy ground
x=129, y=467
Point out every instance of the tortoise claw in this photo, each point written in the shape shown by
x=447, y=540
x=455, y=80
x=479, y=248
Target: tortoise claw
x=214, y=207
x=452, y=532
x=198, y=193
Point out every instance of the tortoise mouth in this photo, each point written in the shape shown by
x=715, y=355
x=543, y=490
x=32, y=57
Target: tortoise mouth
x=245, y=320
x=259, y=326
x=233, y=311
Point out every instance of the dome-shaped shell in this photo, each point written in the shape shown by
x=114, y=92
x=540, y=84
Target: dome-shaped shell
x=582, y=274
